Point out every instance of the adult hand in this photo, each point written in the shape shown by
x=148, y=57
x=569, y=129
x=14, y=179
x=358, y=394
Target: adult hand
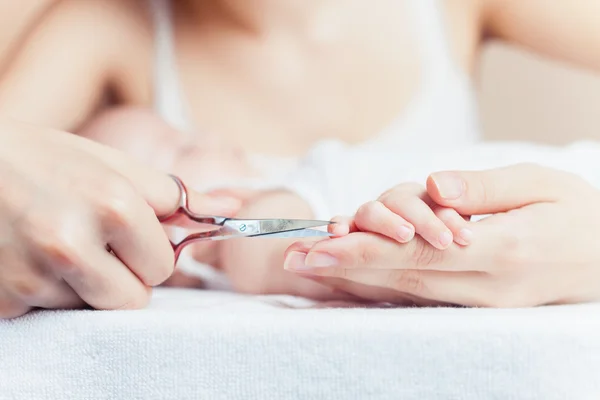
x=63, y=200
x=539, y=247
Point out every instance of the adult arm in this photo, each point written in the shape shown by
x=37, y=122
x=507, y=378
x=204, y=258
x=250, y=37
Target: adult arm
x=16, y=20
x=565, y=30
x=79, y=51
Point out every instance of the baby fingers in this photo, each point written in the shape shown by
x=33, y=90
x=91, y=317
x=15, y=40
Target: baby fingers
x=456, y=223
x=401, y=213
x=419, y=214
x=342, y=226
x=376, y=217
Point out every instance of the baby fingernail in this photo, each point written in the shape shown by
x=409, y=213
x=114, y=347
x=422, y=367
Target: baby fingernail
x=445, y=238
x=466, y=236
x=295, y=261
x=320, y=260
x=339, y=229
x=405, y=233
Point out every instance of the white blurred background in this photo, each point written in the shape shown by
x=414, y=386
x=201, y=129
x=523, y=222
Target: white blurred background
x=525, y=97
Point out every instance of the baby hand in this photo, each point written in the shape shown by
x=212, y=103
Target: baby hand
x=404, y=211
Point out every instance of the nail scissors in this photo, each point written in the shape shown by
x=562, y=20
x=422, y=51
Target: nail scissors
x=230, y=228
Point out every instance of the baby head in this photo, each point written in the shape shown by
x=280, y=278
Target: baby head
x=202, y=161
x=205, y=165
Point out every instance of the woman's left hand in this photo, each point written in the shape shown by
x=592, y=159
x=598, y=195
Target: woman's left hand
x=539, y=247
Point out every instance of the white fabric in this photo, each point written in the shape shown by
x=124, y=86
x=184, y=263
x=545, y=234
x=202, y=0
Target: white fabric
x=340, y=178
x=443, y=111
x=168, y=100
x=220, y=346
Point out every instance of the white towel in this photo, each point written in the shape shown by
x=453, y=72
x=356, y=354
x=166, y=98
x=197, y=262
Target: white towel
x=213, y=345
x=218, y=345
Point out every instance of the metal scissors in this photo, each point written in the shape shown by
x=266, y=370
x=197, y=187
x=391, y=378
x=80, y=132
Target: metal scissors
x=230, y=228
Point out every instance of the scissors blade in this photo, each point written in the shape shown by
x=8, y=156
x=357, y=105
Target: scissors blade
x=268, y=226
x=259, y=227
x=296, y=234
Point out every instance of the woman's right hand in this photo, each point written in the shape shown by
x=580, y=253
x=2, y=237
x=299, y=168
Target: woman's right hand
x=63, y=200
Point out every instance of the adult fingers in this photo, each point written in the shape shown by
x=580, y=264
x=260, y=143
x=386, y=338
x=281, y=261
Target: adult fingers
x=38, y=289
x=367, y=250
x=362, y=250
x=456, y=223
x=24, y=280
x=100, y=279
x=353, y=286
x=469, y=288
x=11, y=307
x=45, y=292
x=132, y=232
x=156, y=187
x=496, y=190
x=424, y=287
x=130, y=203
x=159, y=190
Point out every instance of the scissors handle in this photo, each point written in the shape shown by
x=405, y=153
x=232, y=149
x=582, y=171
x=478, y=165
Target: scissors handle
x=183, y=209
x=231, y=227
x=191, y=238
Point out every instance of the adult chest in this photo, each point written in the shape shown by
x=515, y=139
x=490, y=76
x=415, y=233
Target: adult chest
x=346, y=77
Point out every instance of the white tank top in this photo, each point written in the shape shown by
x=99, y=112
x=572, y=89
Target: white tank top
x=442, y=113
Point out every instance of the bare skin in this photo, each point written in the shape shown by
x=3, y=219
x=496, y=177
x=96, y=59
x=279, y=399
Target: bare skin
x=277, y=70
x=17, y=20
x=282, y=68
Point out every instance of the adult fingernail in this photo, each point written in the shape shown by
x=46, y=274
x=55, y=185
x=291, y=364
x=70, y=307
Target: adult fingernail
x=466, y=236
x=449, y=184
x=445, y=238
x=405, y=233
x=320, y=260
x=295, y=261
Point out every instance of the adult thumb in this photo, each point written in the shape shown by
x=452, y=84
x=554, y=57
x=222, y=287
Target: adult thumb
x=495, y=190
x=159, y=190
